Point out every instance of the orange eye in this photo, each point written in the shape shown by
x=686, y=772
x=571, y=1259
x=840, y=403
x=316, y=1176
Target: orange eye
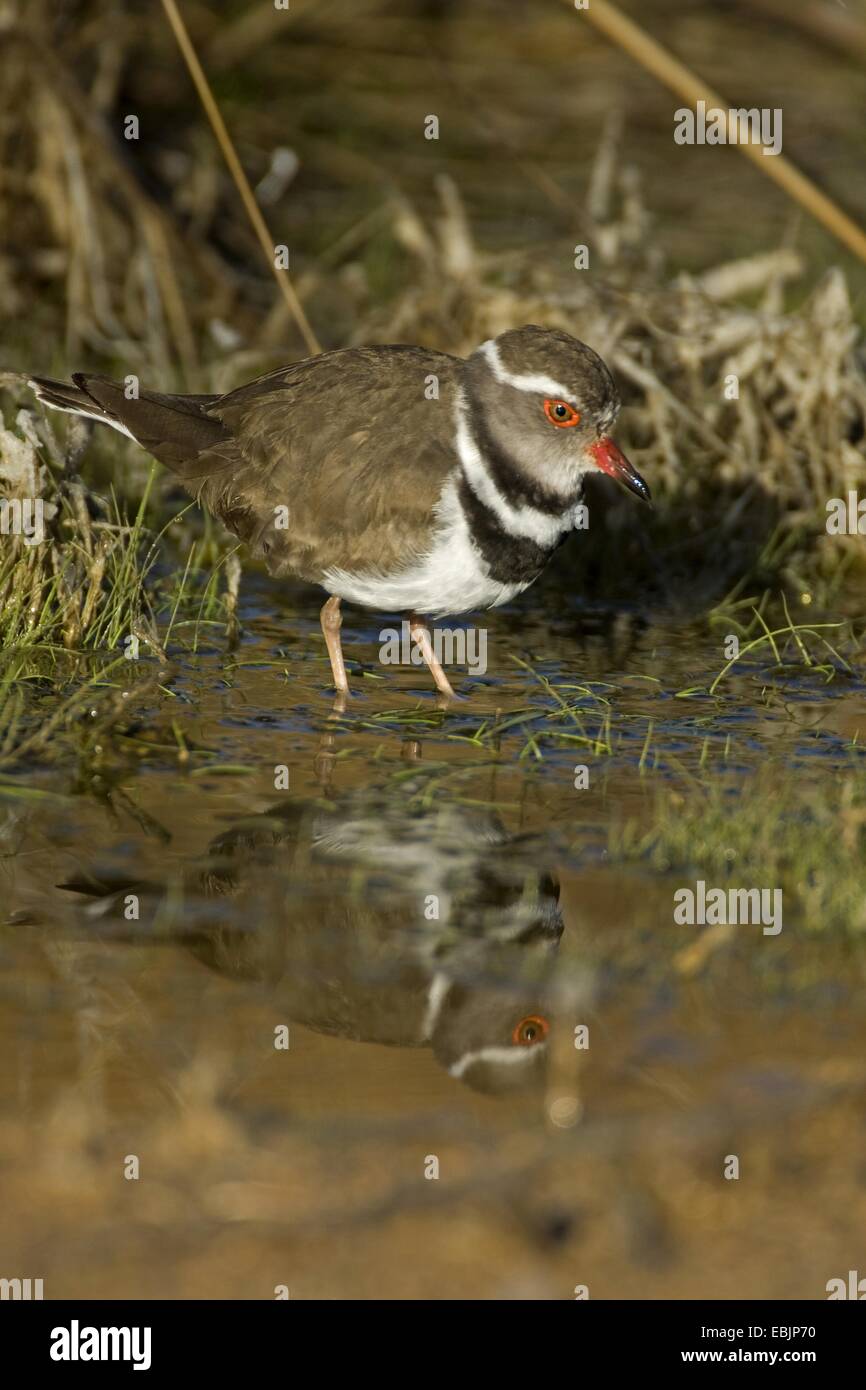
x=561, y=413
x=531, y=1030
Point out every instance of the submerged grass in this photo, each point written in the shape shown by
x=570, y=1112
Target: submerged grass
x=775, y=829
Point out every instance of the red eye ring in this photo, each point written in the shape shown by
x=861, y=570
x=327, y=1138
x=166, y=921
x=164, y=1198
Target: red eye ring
x=561, y=414
x=530, y=1031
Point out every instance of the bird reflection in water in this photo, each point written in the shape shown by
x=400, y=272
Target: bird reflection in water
x=386, y=915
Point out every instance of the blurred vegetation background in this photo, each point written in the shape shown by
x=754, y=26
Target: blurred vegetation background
x=135, y=255
x=142, y=244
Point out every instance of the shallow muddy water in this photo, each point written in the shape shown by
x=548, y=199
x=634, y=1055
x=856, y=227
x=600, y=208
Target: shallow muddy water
x=421, y=1022
x=394, y=1003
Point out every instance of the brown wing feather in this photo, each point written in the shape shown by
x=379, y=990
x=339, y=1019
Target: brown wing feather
x=349, y=444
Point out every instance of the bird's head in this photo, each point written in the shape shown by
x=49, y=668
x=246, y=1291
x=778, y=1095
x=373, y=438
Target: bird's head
x=547, y=403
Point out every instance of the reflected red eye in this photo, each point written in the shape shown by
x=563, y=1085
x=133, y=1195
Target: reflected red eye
x=530, y=1030
x=561, y=413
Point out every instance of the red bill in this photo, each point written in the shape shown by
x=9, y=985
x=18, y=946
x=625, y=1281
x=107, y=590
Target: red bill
x=612, y=461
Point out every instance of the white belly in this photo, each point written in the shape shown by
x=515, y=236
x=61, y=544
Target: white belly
x=452, y=577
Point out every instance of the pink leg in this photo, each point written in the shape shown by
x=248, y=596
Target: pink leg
x=332, y=620
x=420, y=634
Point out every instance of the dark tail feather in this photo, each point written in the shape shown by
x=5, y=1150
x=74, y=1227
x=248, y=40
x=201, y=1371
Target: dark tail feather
x=62, y=395
x=175, y=429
